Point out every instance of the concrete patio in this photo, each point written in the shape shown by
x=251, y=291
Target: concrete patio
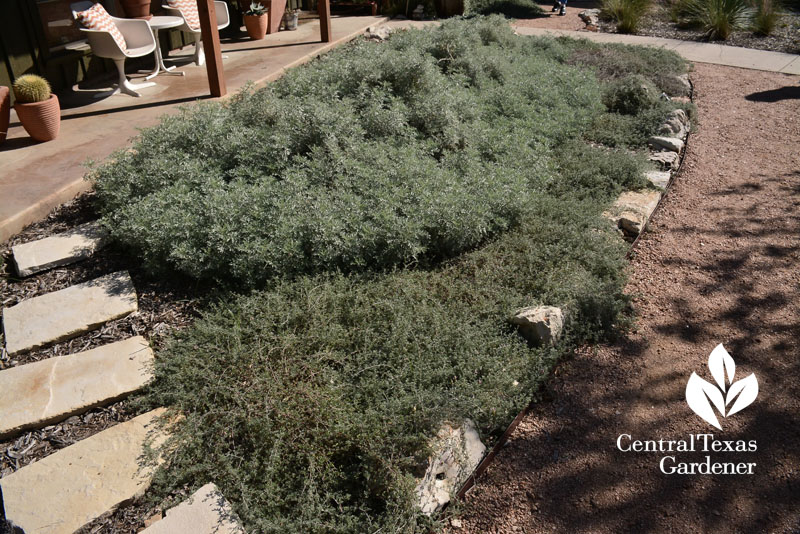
x=36, y=177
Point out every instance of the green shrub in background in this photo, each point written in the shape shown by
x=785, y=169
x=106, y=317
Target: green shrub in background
x=718, y=18
x=518, y=9
x=765, y=17
x=459, y=151
x=626, y=13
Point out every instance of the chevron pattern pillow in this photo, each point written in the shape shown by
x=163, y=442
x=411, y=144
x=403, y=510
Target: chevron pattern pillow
x=97, y=18
x=188, y=10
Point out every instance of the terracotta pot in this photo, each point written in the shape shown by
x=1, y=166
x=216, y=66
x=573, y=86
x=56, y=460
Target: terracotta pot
x=5, y=110
x=40, y=119
x=256, y=26
x=136, y=9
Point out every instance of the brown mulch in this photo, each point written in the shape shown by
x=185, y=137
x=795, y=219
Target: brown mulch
x=163, y=307
x=718, y=264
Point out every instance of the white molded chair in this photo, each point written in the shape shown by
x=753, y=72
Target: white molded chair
x=223, y=20
x=138, y=39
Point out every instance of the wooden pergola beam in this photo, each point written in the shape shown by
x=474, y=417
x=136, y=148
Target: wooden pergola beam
x=324, y=10
x=211, y=46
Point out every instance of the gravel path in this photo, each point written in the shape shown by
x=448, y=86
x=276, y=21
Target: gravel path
x=719, y=264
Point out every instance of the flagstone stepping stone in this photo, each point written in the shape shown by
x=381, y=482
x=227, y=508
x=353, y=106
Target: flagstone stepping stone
x=69, y=312
x=62, y=249
x=206, y=512
x=40, y=393
x=68, y=489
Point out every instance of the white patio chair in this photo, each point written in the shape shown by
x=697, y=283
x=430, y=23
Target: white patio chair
x=138, y=40
x=223, y=20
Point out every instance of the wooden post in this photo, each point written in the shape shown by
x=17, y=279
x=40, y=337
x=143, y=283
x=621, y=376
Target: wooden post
x=324, y=10
x=211, y=46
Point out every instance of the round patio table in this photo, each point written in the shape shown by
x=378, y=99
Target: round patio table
x=162, y=23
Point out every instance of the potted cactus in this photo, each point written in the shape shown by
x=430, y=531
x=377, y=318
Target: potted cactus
x=37, y=107
x=255, y=20
x=5, y=110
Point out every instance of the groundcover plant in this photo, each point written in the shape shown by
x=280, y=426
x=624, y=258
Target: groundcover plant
x=375, y=217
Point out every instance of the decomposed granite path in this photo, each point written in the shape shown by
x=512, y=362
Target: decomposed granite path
x=719, y=264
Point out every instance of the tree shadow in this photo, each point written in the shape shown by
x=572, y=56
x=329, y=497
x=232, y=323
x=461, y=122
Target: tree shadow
x=791, y=92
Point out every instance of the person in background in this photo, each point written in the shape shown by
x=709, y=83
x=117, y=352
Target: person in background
x=561, y=7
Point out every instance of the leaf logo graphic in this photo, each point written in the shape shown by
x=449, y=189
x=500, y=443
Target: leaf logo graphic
x=703, y=396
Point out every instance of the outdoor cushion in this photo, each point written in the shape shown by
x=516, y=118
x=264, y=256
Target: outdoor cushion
x=188, y=9
x=97, y=18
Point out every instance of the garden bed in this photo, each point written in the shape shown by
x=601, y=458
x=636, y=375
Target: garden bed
x=659, y=21
x=376, y=217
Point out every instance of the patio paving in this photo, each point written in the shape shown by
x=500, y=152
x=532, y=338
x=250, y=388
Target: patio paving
x=37, y=177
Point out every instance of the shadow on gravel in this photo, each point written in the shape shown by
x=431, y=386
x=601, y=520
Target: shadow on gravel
x=568, y=474
x=791, y=92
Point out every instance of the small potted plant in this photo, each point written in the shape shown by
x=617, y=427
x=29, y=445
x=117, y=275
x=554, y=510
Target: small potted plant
x=37, y=107
x=255, y=20
x=136, y=9
x=5, y=111
x=290, y=19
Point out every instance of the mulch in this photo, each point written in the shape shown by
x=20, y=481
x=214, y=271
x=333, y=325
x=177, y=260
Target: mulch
x=164, y=306
x=718, y=264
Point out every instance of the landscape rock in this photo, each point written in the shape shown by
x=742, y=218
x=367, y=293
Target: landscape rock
x=667, y=160
x=69, y=312
x=673, y=128
x=590, y=17
x=539, y=325
x=43, y=392
x=61, y=249
x=418, y=13
x=68, y=489
x=457, y=452
x=682, y=85
x=672, y=144
x=379, y=33
x=633, y=209
x=658, y=178
x=205, y=512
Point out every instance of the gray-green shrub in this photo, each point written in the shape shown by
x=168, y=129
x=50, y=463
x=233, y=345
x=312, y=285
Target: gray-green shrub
x=310, y=402
x=363, y=162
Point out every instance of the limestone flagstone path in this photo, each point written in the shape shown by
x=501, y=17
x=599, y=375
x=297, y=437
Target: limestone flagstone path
x=68, y=489
x=205, y=512
x=62, y=249
x=69, y=312
x=40, y=393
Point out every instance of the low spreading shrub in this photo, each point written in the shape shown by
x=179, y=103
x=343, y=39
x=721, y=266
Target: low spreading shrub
x=626, y=13
x=310, y=405
x=459, y=151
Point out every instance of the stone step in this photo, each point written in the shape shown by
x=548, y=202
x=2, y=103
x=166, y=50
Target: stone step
x=69, y=312
x=37, y=394
x=61, y=249
x=68, y=489
x=206, y=512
